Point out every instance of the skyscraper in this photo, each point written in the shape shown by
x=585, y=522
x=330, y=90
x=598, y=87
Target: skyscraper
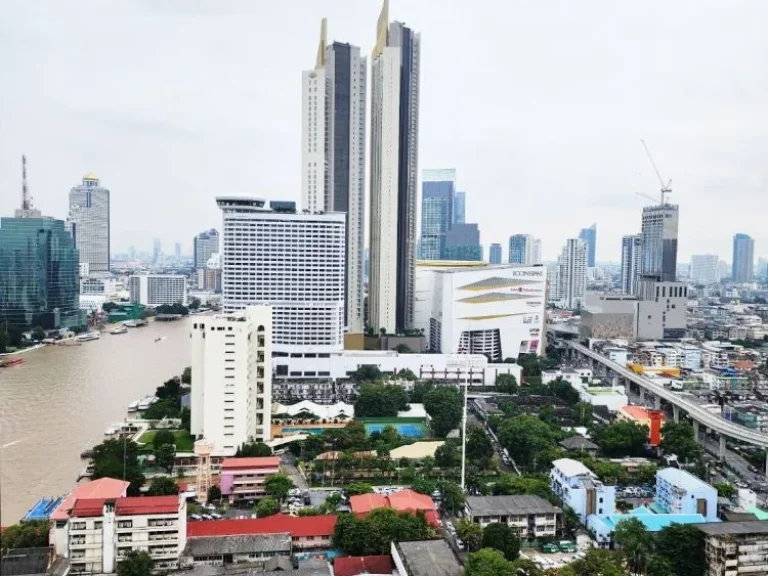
x=589, y=235
x=333, y=154
x=293, y=261
x=743, y=258
x=460, y=208
x=394, y=164
x=203, y=246
x=462, y=242
x=659, y=232
x=537, y=251
x=156, y=250
x=495, y=254
x=521, y=249
x=177, y=251
x=631, y=261
x=437, y=194
x=88, y=223
x=572, y=276
x=704, y=269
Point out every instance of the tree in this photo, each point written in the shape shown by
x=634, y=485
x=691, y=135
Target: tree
x=547, y=415
x=506, y=383
x=470, y=532
x=571, y=521
x=163, y=486
x=278, y=485
x=253, y=450
x=448, y=455
x=419, y=389
x=596, y=563
x=423, y=486
x=163, y=437
x=186, y=375
x=479, y=449
x=38, y=333
x=524, y=567
x=403, y=349
x=357, y=488
x=502, y=538
x=374, y=533
x=724, y=489
x=514, y=485
x=636, y=543
x=367, y=373
x=167, y=408
x=682, y=545
x=214, y=494
x=194, y=303
x=378, y=400
x=678, y=438
x=488, y=562
x=453, y=496
x=659, y=566
x=165, y=457
x=623, y=438
x=109, y=307
x=525, y=436
x=560, y=388
x=407, y=374
x=32, y=534
x=583, y=412
x=444, y=406
x=267, y=507
x=136, y=563
x=118, y=459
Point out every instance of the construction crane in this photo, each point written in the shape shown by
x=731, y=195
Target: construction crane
x=665, y=188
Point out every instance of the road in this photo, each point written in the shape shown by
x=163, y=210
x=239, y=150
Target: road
x=288, y=464
x=735, y=462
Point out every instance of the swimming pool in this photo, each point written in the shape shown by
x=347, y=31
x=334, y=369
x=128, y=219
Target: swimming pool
x=303, y=430
x=408, y=430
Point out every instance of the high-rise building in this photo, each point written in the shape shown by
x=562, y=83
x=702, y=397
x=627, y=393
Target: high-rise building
x=204, y=245
x=157, y=289
x=460, y=208
x=177, y=251
x=743, y=259
x=293, y=261
x=521, y=249
x=537, y=251
x=495, y=254
x=437, y=194
x=462, y=242
x=88, y=223
x=232, y=363
x=589, y=235
x=394, y=164
x=659, y=232
x=631, y=262
x=156, y=251
x=333, y=154
x=572, y=276
x=704, y=269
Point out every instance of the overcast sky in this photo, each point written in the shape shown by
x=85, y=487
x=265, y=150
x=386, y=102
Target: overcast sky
x=540, y=106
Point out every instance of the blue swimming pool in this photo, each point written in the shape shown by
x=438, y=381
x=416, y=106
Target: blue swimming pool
x=303, y=430
x=408, y=430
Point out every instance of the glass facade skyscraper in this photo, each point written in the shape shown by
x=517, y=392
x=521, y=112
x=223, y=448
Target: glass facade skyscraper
x=743, y=259
x=589, y=235
x=460, y=208
x=495, y=254
x=39, y=273
x=462, y=242
x=521, y=249
x=437, y=194
x=659, y=250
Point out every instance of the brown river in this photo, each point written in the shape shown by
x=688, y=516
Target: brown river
x=63, y=398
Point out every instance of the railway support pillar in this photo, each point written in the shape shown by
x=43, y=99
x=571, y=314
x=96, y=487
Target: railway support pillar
x=696, y=430
x=676, y=413
x=721, y=452
x=657, y=402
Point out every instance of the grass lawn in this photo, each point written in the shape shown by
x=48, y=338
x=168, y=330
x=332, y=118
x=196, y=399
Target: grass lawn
x=184, y=442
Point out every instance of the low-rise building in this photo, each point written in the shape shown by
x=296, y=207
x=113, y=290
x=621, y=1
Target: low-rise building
x=252, y=549
x=652, y=419
x=425, y=558
x=736, y=547
x=604, y=528
x=403, y=501
x=579, y=444
x=611, y=398
x=578, y=488
x=531, y=516
x=242, y=479
x=680, y=492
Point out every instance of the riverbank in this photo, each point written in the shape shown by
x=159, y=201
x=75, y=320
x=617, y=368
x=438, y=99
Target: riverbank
x=23, y=350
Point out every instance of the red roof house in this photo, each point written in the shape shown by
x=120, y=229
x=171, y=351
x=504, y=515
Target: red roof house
x=297, y=526
x=354, y=565
x=403, y=501
x=246, y=463
x=102, y=488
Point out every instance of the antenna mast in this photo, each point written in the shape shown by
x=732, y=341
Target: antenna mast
x=26, y=200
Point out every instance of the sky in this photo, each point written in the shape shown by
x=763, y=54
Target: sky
x=540, y=106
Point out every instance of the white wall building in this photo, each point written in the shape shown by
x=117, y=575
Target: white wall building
x=579, y=488
x=156, y=289
x=680, y=492
x=88, y=222
x=705, y=269
x=232, y=364
x=474, y=307
x=572, y=277
x=293, y=262
x=323, y=411
x=631, y=262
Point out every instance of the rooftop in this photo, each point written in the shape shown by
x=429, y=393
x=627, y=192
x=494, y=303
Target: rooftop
x=734, y=528
x=101, y=488
x=509, y=505
x=147, y=505
x=417, y=450
x=681, y=478
x=297, y=526
x=570, y=467
x=402, y=501
x=237, y=544
x=636, y=412
x=429, y=558
x=245, y=463
x=354, y=565
x=42, y=509
x=652, y=522
x=578, y=443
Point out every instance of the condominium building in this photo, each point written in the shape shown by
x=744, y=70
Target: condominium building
x=232, y=363
x=531, y=517
x=101, y=532
x=462, y=243
x=743, y=259
x=438, y=189
x=204, y=245
x=589, y=235
x=572, y=277
x=680, y=492
x=396, y=63
x=291, y=261
x=88, y=223
x=156, y=289
x=579, y=489
x=242, y=479
x=659, y=244
x=333, y=154
x=494, y=256
x=460, y=208
x=521, y=249
x=537, y=251
x=733, y=548
x=631, y=262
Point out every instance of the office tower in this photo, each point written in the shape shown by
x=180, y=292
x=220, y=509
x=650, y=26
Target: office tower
x=394, y=164
x=232, y=363
x=293, y=261
x=704, y=269
x=204, y=245
x=762, y=269
x=572, y=277
x=177, y=251
x=460, y=208
x=631, y=262
x=157, y=289
x=659, y=232
x=743, y=259
x=589, y=235
x=462, y=242
x=495, y=254
x=438, y=188
x=724, y=268
x=88, y=223
x=521, y=249
x=333, y=154
x=156, y=251
x=537, y=251
x=39, y=265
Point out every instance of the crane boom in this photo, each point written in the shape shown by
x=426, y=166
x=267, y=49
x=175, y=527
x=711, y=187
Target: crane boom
x=665, y=188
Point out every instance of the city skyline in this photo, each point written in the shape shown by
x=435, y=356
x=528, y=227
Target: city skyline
x=157, y=149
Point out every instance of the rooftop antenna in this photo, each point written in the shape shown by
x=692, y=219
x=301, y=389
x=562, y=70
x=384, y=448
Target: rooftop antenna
x=665, y=188
x=26, y=199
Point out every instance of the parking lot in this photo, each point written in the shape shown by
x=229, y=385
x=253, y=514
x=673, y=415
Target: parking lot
x=556, y=560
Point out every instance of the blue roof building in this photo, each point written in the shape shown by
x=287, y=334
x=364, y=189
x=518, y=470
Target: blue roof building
x=42, y=509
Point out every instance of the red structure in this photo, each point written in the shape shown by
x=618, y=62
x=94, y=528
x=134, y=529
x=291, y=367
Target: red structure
x=657, y=419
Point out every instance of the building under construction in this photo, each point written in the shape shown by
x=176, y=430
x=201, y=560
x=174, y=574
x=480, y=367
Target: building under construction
x=735, y=548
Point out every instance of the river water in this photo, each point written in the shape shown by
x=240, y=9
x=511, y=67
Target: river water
x=63, y=398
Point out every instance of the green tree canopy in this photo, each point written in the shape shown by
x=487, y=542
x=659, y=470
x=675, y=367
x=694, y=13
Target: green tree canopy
x=278, y=485
x=470, y=532
x=525, y=436
x=357, y=488
x=502, y=538
x=163, y=486
x=488, y=562
x=419, y=389
x=444, y=406
x=678, y=438
x=623, y=438
x=682, y=545
x=374, y=533
x=448, y=455
x=253, y=450
x=636, y=543
x=267, y=507
x=479, y=449
x=514, y=485
x=165, y=457
x=379, y=400
x=453, y=496
x=724, y=489
x=111, y=457
x=506, y=383
x=186, y=375
x=136, y=563
x=423, y=485
x=32, y=534
x=214, y=494
x=163, y=437
x=367, y=373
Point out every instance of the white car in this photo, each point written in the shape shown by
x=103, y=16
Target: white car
x=459, y=543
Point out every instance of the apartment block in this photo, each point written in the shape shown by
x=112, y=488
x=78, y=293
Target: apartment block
x=679, y=492
x=579, y=488
x=242, y=479
x=733, y=548
x=156, y=289
x=531, y=516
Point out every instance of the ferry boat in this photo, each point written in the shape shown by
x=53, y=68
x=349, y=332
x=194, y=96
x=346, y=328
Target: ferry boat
x=146, y=402
x=88, y=336
x=10, y=361
x=119, y=330
x=133, y=406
